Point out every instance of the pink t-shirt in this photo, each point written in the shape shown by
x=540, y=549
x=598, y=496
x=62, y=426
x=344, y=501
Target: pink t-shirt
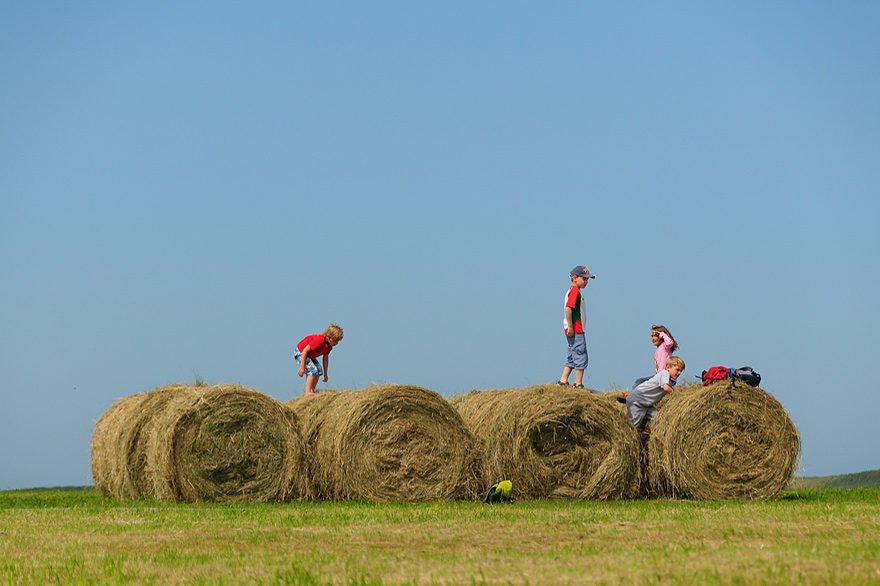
x=663, y=352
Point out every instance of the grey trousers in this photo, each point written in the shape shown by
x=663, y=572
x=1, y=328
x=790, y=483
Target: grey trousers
x=639, y=414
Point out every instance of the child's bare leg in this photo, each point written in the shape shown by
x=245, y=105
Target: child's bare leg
x=579, y=376
x=566, y=372
x=311, y=384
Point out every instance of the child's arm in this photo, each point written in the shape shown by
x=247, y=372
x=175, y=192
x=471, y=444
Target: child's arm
x=326, y=362
x=302, y=362
x=569, y=330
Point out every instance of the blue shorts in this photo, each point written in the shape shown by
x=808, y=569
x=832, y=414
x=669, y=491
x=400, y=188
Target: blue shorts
x=312, y=366
x=577, y=351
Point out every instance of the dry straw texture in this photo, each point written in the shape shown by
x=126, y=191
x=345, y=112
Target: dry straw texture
x=554, y=442
x=108, y=464
x=225, y=443
x=642, y=490
x=722, y=441
x=119, y=444
x=388, y=443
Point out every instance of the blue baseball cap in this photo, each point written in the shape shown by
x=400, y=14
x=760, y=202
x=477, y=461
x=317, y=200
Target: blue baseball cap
x=580, y=271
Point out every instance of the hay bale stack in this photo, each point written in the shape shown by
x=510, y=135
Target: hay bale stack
x=388, y=443
x=118, y=446
x=225, y=443
x=554, y=442
x=721, y=441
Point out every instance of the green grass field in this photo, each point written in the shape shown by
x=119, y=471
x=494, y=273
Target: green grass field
x=804, y=537
x=869, y=479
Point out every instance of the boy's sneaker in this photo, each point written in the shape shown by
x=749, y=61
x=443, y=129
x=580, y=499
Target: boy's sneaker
x=563, y=384
x=578, y=386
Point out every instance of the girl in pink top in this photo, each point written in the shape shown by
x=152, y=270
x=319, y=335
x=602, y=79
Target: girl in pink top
x=666, y=345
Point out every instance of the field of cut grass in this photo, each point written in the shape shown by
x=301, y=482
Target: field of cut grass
x=804, y=537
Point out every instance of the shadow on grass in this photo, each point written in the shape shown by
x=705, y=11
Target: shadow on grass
x=800, y=495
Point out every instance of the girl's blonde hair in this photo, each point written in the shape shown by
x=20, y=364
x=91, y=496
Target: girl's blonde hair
x=333, y=332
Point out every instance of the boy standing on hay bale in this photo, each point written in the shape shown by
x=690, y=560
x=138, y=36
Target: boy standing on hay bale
x=640, y=403
x=575, y=318
x=310, y=348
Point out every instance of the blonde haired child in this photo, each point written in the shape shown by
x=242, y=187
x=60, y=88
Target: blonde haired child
x=312, y=347
x=642, y=400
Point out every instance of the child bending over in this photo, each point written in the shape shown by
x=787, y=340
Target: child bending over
x=309, y=349
x=641, y=401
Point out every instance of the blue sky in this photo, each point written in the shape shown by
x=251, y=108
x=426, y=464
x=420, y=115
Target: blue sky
x=188, y=189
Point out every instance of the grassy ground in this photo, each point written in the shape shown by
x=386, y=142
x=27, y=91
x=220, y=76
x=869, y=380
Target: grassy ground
x=869, y=479
x=804, y=537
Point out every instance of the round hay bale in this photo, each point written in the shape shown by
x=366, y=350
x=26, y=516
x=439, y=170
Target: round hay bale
x=118, y=447
x=722, y=441
x=107, y=465
x=388, y=443
x=133, y=444
x=225, y=443
x=610, y=397
x=554, y=442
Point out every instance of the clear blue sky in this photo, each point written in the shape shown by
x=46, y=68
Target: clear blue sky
x=188, y=189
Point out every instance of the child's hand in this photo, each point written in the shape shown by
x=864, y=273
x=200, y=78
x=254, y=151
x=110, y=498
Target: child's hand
x=325, y=377
x=302, y=371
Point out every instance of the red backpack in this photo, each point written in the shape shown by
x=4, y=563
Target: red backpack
x=714, y=374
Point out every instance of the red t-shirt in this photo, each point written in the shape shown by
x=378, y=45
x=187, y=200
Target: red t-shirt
x=318, y=345
x=574, y=300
